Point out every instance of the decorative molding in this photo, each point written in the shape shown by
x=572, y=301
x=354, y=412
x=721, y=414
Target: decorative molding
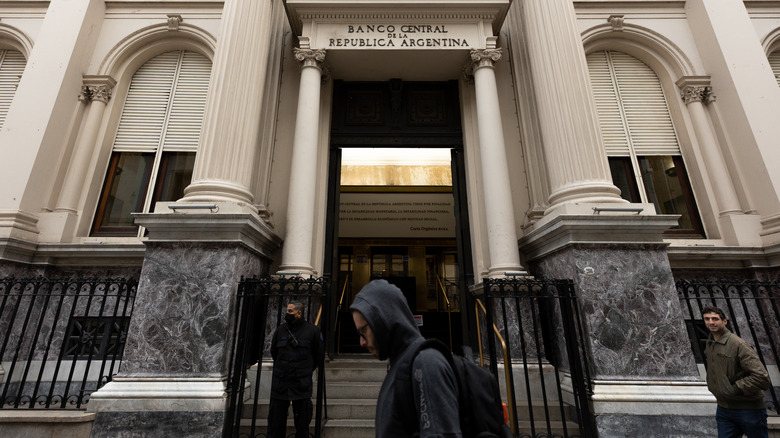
x=617, y=22
x=696, y=89
x=174, y=20
x=640, y=42
x=100, y=93
x=692, y=93
x=151, y=41
x=85, y=94
x=97, y=87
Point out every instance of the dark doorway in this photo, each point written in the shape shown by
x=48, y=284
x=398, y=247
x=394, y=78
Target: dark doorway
x=396, y=203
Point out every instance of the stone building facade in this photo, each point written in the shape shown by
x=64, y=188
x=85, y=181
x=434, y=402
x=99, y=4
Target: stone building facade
x=186, y=143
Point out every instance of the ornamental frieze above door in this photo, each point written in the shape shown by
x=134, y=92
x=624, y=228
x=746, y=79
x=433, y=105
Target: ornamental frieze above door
x=396, y=25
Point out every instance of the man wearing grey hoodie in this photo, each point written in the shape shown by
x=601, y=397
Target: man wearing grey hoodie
x=422, y=386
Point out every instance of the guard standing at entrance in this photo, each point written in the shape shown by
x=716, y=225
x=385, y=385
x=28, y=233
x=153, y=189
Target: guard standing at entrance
x=297, y=350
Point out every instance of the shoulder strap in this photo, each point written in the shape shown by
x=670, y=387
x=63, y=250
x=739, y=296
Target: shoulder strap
x=436, y=344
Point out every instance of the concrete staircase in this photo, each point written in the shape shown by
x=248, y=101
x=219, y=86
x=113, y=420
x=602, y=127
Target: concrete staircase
x=352, y=386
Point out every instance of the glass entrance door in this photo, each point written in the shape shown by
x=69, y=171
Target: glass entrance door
x=397, y=222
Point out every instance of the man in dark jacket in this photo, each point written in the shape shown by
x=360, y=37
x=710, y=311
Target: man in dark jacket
x=424, y=401
x=297, y=350
x=736, y=378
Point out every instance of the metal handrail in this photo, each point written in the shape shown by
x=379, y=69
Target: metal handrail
x=449, y=309
x=343, y=291
x=319, y=315
x=507, y=369
x=338, y=322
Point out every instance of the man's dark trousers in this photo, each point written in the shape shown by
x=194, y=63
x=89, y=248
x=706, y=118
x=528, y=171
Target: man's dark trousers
x=277, y=417
x=732, y=423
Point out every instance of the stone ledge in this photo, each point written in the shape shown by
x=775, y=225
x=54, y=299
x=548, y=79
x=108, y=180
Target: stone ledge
x=45, y=416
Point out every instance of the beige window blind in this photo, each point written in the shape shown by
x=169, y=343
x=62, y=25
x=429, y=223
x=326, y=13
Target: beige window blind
x=12, y=64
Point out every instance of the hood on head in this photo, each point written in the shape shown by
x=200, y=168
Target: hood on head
x=384, y=307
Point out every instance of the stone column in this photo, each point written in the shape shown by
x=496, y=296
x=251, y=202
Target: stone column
x=642, y=368
x=499, y=211
x=226, y=154
x=573, y=147
x=172, y=379
x=303, y=171
x=694, y=93
x=725, y=37
x=96, y=91
x=41, y=113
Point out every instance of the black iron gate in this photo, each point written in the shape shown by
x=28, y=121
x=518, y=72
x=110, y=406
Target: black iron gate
x=260, y=307
x=60, y=340
x=751, y=309
x=538, y=325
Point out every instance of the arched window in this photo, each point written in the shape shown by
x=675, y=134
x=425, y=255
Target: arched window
x=641, y=142
x=12, y=65
x=774, y=61
x=156, y=140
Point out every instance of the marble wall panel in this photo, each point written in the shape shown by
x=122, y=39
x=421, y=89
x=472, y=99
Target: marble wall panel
x=184, y=308
x=655, y=426
x=633, y=322
x=158, y=424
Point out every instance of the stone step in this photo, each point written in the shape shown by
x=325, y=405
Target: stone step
x=359, y=409
x=353, y=390
x=332, y=428
x=524, y=411
x=540, y=428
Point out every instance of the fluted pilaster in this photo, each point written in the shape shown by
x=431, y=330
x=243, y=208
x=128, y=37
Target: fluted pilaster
x=695, y=92
x=499, y=212
x=303, y=172
x=223, y=167
x=573, y=147
x=96, y=92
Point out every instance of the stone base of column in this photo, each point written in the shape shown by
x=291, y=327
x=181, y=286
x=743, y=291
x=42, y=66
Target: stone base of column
x=17, y=224
x=171, y=380
x=653, y=409
x=159, y=407
x=58, y=226
x=646, y=382
x=740, y=229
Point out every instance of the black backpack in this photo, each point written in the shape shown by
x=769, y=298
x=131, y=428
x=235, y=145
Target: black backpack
x=479, y=398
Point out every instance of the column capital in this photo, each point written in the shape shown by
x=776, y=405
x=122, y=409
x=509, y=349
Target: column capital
x=310, y=57
x=97, y=88
x=695, y=89
x=697, y=93
x=485, y=57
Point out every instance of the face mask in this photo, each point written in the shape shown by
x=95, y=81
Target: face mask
x=289, y=318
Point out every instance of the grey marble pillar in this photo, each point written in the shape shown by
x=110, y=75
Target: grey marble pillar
x=172, y=377
x=645, y=379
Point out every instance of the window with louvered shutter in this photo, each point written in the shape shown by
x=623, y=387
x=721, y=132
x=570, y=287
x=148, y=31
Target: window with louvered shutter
x=12, y=64
x=774, y=61
x=156, y=139
x=640, y=138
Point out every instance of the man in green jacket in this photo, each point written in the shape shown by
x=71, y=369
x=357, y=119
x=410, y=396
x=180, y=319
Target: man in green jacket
x=737, y=379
